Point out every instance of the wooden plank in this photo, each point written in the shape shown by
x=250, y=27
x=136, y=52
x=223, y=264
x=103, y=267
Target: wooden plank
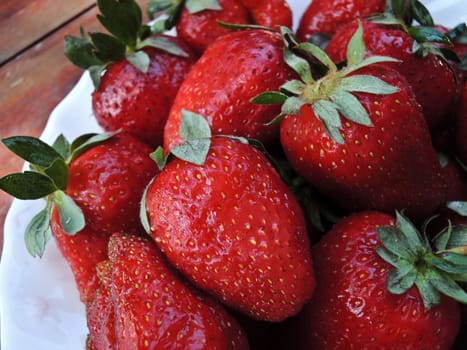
x=32, y=84
x=24, y=22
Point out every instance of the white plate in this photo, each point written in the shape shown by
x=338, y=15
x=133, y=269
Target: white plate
x=39, y=303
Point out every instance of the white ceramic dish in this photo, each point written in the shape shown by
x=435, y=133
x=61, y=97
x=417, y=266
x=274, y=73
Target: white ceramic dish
x=39, y=303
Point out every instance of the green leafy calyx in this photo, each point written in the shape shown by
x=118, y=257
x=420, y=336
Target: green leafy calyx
x=417, y=264
x=330, y=95
x=127, y=36
x=47, y=177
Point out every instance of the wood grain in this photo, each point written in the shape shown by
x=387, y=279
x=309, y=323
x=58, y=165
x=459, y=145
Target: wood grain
x=22, y=23
x=36, y=79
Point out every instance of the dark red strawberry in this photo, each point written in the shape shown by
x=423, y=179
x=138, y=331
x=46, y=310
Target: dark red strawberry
x=461, y=127
x=136, y=74
x=93, y=187
x=232, y=226
x=427, y=74
x=363, y=302
x=326, y=16
x=155, y=309
x=197, y=22
x=222, y=82
x=380, y=156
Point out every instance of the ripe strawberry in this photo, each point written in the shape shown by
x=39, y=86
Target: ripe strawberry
x=136, y=74
x=93, y=187
x=381, y=156
x=155, y=309
x=222, y=82
x=326, y=16
x=461, y=127
x=427, y=74
x=197, y=22
x=353, y=308
x=100, y=314
x=231, y=225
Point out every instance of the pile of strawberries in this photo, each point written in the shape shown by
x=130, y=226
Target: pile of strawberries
x=257, y=188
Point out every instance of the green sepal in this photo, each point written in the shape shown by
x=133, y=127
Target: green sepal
x=140, y=60
x=38, y=232
x=95, y=72
x=299, y=65
x=195, y=6
x=80, y=52
x=71, y=216
x=413, y=238
x=429, y=294
x=159, y=157
x=402, y=278
x=421, y=14
x=122, y=18
x=458, y=34
x=351, y=107
x=62, y=146
x=164, y=44
x=295, y=87
x=196, y=138
x=446, y=285
x=328, y=113
x=270, y=97
x=428, y=34
x=58, y=172
x=143, y=214
x=170, y=8
x=367, y=83
x=458, y=207
x=356, y=48
x=449, y=262
x=318, y=53
x=32, y=150
x=369, y=61
x=107, y=47
x=86, y=141
x=394, y=241
x=27, y=185
x=451, y=237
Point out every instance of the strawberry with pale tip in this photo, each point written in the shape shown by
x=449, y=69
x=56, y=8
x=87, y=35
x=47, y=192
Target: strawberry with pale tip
x=225, y=219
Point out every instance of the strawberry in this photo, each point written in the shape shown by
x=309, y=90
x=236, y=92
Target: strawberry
x=221, y=83
x=226, y=220
x=136, y=74
x=197, y=22
x=326, y=16
x=100, y=314
x=155, y=309
x=381, y=156
x=362, y=302
x=427, y=73
x=461, y=127
x=92, y=187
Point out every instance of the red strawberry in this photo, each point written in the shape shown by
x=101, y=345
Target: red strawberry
x=231, y=225
x=353, y=308
x=427, y=75
x=93, y=186
x=108, y=180
x=100, y=314
x=197, y=22
x=222, y=82
x=154, y=309
x=141, y=72
x=461, y=127
x=326, y=16
x=139, y=102
x=381, y=156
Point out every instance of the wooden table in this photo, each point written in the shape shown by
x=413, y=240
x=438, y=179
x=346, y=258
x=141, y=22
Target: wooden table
x=35, y=74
